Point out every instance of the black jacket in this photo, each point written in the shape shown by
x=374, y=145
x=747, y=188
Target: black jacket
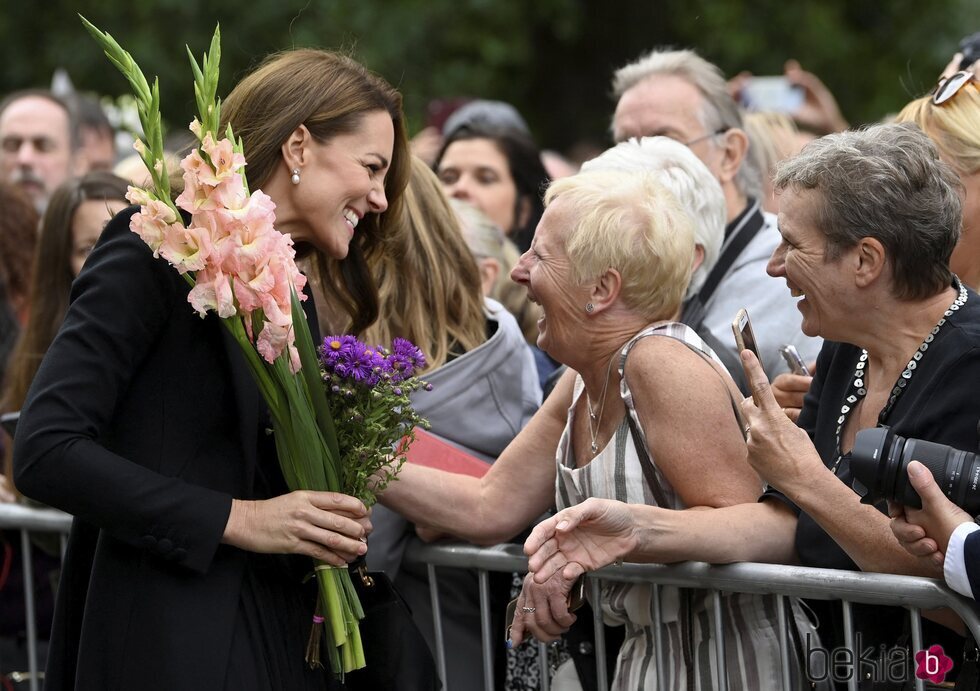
x=142, y=422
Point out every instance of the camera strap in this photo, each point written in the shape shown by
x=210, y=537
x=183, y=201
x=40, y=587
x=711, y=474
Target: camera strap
x=743, y=230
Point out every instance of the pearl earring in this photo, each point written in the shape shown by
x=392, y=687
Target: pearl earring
x=589, y=307
x=295, y=177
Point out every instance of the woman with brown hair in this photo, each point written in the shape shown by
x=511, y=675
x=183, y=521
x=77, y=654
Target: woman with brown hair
x=183, y=567
x=78, y=211
x=484, y=390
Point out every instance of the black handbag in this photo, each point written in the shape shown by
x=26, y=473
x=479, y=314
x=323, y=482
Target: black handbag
x=396, y=654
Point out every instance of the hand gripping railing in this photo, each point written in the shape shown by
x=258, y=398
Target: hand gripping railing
x=785, y=581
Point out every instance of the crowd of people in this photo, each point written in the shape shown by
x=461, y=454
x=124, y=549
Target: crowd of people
x=576, y=321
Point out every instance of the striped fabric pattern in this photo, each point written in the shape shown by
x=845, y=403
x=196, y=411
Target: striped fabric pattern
x=752, y=637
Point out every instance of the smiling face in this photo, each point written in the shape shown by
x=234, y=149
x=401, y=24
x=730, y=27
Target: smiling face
x=87, y=223
x=546, y=273
x=477, y=172
x=341, y=181
x=801, y=259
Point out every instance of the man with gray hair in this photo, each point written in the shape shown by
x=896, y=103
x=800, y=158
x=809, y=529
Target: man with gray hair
x=677, y=94
x=38, y=142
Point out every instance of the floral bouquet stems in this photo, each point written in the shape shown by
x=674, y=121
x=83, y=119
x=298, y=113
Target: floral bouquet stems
x=239, y=266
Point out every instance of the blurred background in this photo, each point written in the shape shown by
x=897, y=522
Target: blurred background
x=553, y=59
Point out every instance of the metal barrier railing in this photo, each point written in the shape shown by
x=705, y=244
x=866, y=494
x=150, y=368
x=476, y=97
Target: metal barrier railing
x=27, y=520
x=849, y=587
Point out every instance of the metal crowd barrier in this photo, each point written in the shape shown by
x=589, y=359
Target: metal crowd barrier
x=849, y=587
x=28, y=520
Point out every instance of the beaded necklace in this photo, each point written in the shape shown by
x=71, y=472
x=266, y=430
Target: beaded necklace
x=900, y=384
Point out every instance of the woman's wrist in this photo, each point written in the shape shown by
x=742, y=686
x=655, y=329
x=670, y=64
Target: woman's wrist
x=236, y=527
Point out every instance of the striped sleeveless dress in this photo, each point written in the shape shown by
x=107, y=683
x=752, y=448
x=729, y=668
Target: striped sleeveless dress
x=752, y=637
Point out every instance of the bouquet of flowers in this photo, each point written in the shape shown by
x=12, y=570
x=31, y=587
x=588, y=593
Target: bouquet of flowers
x=240, y=267
x=371, y=408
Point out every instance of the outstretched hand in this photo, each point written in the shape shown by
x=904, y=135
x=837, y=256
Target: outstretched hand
x=925, y=532
x=588, y=536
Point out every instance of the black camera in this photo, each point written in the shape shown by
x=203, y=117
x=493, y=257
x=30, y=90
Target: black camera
x=880, y=460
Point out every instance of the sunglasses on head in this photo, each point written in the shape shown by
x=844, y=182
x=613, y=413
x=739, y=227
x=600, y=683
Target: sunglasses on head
x=950, y=86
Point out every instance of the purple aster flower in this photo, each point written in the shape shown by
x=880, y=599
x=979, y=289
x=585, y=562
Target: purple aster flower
x=338, y=349
x=405, y=359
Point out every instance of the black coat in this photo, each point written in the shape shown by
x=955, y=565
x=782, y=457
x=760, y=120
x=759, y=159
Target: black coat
x=143, y=423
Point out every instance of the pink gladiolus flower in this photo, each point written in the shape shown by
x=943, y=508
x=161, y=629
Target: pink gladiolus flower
x=138, y=196
x=212, y=292
x=187, y=249
x=152, y=223
x=224, y=159
x=272, y=340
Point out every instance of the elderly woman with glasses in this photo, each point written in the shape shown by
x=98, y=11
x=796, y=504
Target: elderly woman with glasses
x=869, y=220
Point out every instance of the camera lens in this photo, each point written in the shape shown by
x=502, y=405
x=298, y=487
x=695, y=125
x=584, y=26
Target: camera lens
x=880, y=461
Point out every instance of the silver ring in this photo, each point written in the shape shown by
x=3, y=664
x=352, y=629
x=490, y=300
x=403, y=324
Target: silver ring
x=528, y=610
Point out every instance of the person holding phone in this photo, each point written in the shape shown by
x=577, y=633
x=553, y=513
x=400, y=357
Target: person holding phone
x=644, y=414
x=868, y=221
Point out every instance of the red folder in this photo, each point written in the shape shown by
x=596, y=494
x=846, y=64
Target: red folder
x=433, y=452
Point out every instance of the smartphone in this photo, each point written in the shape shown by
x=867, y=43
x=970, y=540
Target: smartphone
x=775, y=94
x=792, y=357
x=745, y=338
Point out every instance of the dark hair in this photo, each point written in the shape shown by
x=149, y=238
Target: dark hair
x=51, y=278
x=74, y=140
x=18, y=238
x=885, y=182
x=329, y=94
x=526, y=169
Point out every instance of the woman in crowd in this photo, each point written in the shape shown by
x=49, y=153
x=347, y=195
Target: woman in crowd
x=496, y=167
x=184, y=565
x=499, y=171
x=950, y=116
x=484, y=391
x=869, y=220
x=75, y=217
x=609, y=265
x=496, y=255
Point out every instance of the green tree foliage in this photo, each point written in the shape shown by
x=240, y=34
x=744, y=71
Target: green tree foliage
x=551, y=58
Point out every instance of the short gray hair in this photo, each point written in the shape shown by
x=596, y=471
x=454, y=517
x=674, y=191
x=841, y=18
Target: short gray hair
x=688, y=179
x=630, y=222
x=886, y=182
x=720, y=111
